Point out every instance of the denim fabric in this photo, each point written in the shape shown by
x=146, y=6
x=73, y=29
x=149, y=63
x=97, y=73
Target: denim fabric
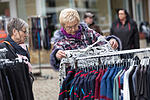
x=109, y=90
x=103, y=87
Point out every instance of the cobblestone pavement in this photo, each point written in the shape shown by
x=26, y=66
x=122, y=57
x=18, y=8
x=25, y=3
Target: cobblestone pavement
x=46, y=89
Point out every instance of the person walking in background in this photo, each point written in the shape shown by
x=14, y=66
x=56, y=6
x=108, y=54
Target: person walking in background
x=125, y=29
x=75, y=35
x=89, y=20
x=145, y=29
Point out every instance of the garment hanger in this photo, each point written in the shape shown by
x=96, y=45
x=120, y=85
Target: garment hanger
x=71, y=55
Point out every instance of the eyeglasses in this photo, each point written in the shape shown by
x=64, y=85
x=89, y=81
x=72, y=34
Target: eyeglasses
x=71, y=27
x=26, y=32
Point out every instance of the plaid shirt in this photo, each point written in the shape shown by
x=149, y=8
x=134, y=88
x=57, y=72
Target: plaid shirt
x=88, y=37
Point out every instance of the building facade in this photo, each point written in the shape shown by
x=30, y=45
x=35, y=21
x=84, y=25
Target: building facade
x=104, y=9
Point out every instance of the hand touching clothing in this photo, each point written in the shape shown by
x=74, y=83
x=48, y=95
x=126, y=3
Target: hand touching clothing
x=113, y=43
x=25, y=58
x=26, y=61
x=61, y=54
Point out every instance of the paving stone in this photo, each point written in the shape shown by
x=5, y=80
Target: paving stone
x=46, y=89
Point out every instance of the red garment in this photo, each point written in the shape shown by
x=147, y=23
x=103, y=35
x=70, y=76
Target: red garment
x=98, y=83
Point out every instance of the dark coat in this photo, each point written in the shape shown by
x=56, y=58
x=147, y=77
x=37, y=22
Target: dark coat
x=96, y=28
x=128, y=33
x=13, y=49
x=10, y=54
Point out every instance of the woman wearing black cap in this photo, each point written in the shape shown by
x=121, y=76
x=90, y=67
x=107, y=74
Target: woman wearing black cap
x=125, y=29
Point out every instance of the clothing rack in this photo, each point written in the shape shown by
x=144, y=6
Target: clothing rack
x=42, y=28
x=15, y=85
x=90, y=50
x=15, y=80
x=104, y=52
x=74, y=60
x=109, y=56
x=41, y=32
x=127, y=68
x=117, y=53
x=107, y=81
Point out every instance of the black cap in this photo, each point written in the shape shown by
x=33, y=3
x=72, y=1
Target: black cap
x=88, y=14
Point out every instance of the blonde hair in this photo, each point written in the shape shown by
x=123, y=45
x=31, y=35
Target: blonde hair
x=68, y=15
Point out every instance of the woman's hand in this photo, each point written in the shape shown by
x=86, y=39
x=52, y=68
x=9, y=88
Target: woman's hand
x=60, y=54
x=113, y=43
x=26, y=61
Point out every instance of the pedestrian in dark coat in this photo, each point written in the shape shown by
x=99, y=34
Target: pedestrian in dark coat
x=89, y=20
x=125, y=29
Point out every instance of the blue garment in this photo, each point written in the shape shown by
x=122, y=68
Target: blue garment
x=108, y=82
x=39, y=40
x=46, y=40
x=121, y=85
x=103, y=87
x=121, y=79
x=114, y=75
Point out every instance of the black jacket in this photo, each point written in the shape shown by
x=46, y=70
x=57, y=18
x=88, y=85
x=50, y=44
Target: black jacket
x=128, y=33
x=10, y=54
x=13, y=49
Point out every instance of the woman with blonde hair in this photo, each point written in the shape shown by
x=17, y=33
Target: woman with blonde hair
x=74, y=35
